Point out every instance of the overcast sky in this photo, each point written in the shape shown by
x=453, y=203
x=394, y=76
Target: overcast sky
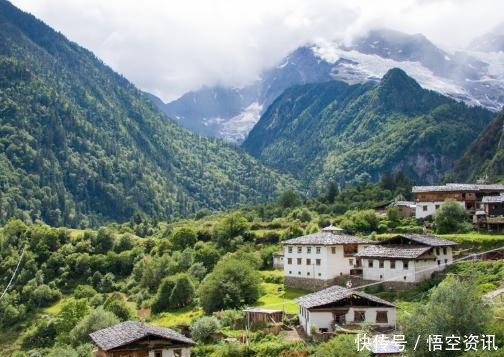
x=173, y=46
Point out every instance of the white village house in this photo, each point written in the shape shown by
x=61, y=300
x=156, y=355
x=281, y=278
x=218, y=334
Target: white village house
x=406, y=258
x=313, y=261
x=336, y=307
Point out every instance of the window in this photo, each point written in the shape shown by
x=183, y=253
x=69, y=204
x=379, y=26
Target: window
x=317, y=261
x=381, y=317
x=405, y=264
x=319, y=274
x=158, y=354
x=381, y=264
x=299, y=273
x=308, y=250
x=359, y=316
x=445, y=250
x=289, y=260
x=392, y=264
x=308, y=261
x=437, y=206
x=370, y=263
x=300, y=250
x=308, y=273
x=350, y=261
x=290, y=271
x=299, y=261
x=317, y=250
x=289, y=249
x=437, y=251
x=333, y=250
x=424, y=208
x=349, y=249
x=446, y=261
x=439, y=262
x=177, y=353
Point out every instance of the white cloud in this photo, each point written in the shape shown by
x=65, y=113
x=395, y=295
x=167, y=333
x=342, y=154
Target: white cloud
x=170, y=47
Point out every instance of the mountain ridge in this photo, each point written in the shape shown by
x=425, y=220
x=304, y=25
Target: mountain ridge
x=358, y=132
x=81, y=145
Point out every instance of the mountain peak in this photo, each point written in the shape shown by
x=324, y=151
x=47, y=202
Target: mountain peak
x=396, y=77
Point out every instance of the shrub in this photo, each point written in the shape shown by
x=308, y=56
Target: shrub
x=96, y=320
x=233, y=283
x=119, y=308
x=203, y=328
x=84, y=291
x=43, y=295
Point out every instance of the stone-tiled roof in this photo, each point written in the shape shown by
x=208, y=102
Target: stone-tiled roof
x=334, y=294
x=129, y=331
x=393, y=251
x=454, y=187
x=326, y=238
x=331, y=228
x=427, y=239
x=493, y=199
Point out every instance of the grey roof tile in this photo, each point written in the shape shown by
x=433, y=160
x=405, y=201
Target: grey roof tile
x=129, y=331
x=393, y=251
x=326, y=238
x=427, y=239
x=453, y=187
x=333, y=294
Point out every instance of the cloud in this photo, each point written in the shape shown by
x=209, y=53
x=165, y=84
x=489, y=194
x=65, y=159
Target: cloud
x=170, y=47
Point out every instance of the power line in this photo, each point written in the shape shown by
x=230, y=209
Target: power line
x=14, y=274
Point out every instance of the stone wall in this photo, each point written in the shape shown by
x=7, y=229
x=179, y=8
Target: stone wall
x=317, y=284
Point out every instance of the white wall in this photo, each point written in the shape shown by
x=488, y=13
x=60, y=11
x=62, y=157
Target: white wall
x=431, y=208
x=325, y=319
x=385, y=273
x=331, y=264
x=418, y=270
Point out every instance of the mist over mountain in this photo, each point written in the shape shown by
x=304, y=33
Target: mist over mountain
x=348, y=133
x=492, y=41
x=471, y=77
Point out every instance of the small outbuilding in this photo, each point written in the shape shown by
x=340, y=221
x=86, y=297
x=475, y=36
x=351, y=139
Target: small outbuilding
x=136, y=339
x=263, y=316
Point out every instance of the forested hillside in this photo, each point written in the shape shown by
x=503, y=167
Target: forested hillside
x=334, y=131
x=80, y=145
x=484, y=159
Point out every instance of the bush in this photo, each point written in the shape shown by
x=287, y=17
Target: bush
x=43, y=295
x=84, y=292
x=118, y=308
x=41, y=335
x=174, y=292
x=451, y=217
x=232, y=284
x=183, y=238
x=96, y=320
x=230, y=318
x=203, y=328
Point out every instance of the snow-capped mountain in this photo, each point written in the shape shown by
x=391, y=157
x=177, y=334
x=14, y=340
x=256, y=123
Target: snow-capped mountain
x=492, y=41
x=475, y=77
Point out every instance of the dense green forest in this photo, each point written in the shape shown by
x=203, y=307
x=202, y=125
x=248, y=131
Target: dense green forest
x=196, y=274
x=80, y=145
x=355, y=133
x=484, y=158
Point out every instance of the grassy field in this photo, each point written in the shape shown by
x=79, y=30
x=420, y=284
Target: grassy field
x=276, y=297
x=177, y=317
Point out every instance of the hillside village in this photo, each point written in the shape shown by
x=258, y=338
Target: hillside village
x=318, y=186
x=345, y=285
